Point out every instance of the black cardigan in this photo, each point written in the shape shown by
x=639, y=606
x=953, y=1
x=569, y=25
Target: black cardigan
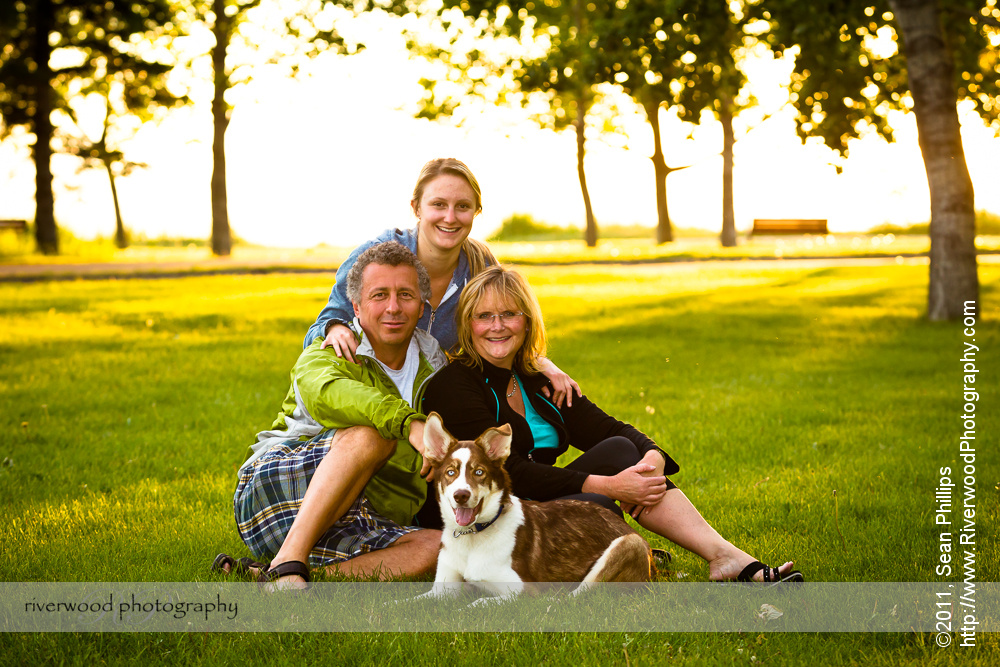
x=470, y=401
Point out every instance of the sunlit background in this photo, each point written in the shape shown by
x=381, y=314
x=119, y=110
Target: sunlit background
x=332, y=158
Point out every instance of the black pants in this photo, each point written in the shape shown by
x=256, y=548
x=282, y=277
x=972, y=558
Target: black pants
x=608, y=457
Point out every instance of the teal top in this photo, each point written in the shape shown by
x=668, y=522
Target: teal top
x=542, y=432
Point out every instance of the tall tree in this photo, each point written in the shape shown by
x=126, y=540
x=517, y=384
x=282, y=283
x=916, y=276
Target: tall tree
x=661, y=54
x=112, y=39
x=564, y=74
x=297, y=31
x=849, y=74
x=713, y=81
x=642, y=55
x=954, y=279
x=222, y=30
x=103, y=154
x=687, y=61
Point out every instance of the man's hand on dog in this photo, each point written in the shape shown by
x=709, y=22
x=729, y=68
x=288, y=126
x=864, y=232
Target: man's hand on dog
x=417, y=440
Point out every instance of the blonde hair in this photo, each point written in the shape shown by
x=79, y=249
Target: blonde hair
x=505, y=284
x=479, y=255
x=477, y=252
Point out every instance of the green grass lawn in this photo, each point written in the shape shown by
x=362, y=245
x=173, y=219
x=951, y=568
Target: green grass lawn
x=609, y=250
x=708, y=247
x=128, y=406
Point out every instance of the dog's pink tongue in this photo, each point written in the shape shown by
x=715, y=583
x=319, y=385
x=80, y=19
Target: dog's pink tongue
x=464, y=515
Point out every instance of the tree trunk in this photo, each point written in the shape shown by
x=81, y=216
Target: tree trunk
x=46, y=236
x=954, y=280
x=664, y=232
x=728, y=236
x=221, y=237
x=590, y=235
x=121, y=238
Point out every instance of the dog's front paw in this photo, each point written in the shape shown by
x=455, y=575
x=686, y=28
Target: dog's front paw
x=438, y=591
x=443, y=589
x=491, y=600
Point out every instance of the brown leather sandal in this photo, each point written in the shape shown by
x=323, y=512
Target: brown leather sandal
x=241, y=567
x=285, y=569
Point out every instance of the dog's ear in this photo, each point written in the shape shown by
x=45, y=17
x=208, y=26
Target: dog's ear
x=436, y=439
x=496, y=443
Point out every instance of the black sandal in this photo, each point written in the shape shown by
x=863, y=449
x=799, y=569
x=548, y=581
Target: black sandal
x=662, y=557
x=285, y=569
x=241, y=567
x=771, y=574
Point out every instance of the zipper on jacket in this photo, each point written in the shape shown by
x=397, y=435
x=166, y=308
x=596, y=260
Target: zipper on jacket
x=554, y=408
x=418, y=394
x=452, y=288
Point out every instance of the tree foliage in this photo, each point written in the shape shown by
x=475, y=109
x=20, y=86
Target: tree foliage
x=859, y=59
x=567, y=71
x=104, y=153
x=56, y=49
x=719, y=35
x=849, y=71
x=675, y=54
x=683, y=55
x=297, y=31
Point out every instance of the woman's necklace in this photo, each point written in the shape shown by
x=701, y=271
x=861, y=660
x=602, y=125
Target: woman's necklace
x=514, y=388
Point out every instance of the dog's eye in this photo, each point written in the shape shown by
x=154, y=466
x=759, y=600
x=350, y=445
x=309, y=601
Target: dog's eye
x=450, y=473
x=479, y=472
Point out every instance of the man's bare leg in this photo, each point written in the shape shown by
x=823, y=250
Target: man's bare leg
x=411, y=555
x=354, y=456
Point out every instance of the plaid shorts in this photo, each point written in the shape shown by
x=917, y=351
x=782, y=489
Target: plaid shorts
x=269, y=494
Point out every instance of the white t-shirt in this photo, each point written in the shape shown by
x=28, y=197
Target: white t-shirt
x=405, y=376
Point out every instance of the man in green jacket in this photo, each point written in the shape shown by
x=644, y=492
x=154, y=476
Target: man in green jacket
x=338, y=477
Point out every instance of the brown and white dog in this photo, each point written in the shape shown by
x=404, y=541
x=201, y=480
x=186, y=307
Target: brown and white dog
x=500, y=542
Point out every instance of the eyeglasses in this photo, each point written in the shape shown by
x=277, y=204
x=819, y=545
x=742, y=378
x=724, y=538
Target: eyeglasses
x=506, y=317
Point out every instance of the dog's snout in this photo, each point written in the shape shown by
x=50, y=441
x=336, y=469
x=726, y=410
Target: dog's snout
x=462, y=496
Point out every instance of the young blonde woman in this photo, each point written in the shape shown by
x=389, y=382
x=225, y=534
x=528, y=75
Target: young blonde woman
x=446, y=201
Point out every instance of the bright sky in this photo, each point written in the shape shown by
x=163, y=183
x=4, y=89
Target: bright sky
x=332, y=158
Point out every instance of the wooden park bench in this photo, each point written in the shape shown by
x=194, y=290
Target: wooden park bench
x=788, y=226
x=19, y=226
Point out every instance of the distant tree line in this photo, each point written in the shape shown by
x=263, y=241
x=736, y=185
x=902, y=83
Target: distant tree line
x=684, y=55
x=121, y=50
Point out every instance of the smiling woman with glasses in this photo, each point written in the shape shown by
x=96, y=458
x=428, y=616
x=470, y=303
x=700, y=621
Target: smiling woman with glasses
x=494, y=379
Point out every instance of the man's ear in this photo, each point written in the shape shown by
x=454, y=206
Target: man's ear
x=496, y=443
x=357, y=311
x=437, y=440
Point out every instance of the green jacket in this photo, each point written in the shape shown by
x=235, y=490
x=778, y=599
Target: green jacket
x=328, y=392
